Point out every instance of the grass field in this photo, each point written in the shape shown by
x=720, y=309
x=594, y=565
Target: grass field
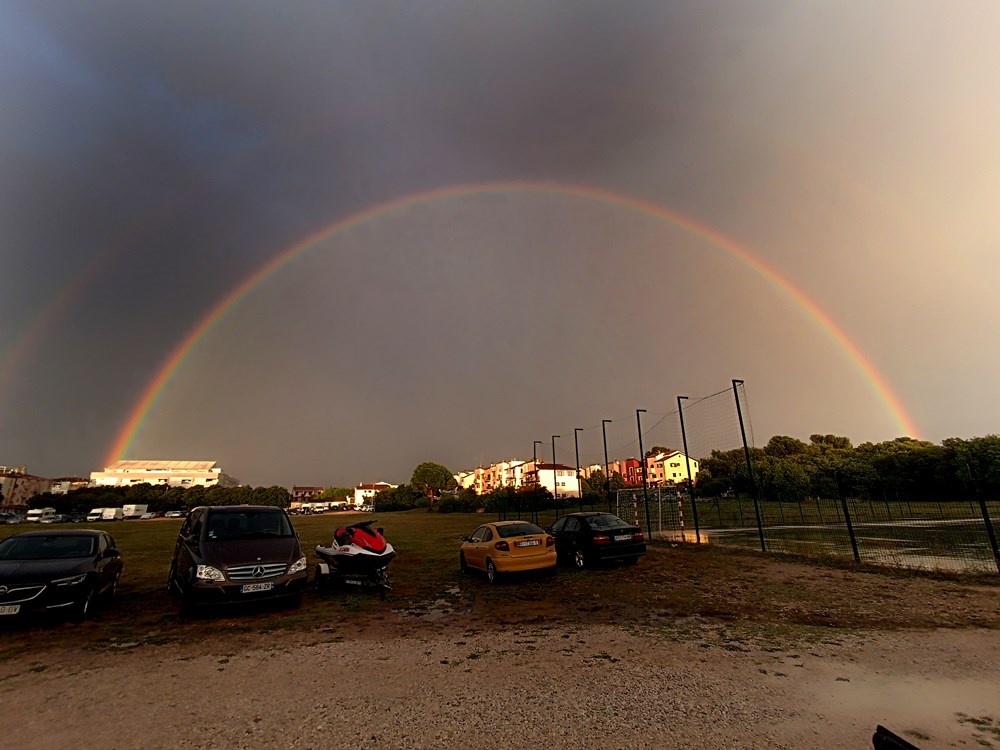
x=672, y=583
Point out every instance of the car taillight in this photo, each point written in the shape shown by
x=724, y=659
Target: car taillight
x=502, y=546
x=602, y=539
x=638, y=537
x=549, y=541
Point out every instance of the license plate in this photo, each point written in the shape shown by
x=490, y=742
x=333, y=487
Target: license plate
x=249, y=588
x=10, y=609
x=528, y=543
x=623, y=537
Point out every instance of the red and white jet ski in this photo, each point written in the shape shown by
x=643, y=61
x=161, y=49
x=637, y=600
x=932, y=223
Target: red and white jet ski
x=359, y=556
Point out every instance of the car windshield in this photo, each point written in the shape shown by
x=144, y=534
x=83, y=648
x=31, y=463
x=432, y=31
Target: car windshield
x=247, y=524
x=46, y=547
x=518, y=529
x=606, y=522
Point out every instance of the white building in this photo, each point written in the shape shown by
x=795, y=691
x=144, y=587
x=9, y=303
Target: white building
x=365, y=493
x=171, y=473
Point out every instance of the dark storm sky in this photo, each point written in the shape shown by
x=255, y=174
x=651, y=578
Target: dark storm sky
x=154, y=155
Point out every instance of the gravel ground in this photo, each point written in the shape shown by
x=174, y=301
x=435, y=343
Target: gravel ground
x=445, y=684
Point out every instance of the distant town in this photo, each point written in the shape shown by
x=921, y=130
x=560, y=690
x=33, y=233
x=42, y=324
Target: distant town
x=663, y=467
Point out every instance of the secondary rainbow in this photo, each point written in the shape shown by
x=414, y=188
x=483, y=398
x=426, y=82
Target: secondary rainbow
x=223, y=307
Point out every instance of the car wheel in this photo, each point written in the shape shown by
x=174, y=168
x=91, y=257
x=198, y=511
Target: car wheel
x=492, y=574
x=113, y=589
x=85, y=607
x=461, y=563
x=579, y=559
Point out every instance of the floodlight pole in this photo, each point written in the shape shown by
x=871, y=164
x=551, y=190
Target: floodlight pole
x=607, y=475
x=645, y=483
x=746, y=453
x=576, y=444
x=687, y=459
x=534, y=467
x=555, y=480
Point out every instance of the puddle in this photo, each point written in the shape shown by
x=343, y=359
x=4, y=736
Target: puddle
x=431, y=611
x=946, y=711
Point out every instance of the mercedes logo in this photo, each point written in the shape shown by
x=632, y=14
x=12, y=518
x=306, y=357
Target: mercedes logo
x=258, y=571
x=3, y=590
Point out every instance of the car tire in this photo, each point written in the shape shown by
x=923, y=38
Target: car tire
x=492, y=574
x=579, y=559
x=294, y=601
x=113, y=589
x=461, y=563
x=85, y=607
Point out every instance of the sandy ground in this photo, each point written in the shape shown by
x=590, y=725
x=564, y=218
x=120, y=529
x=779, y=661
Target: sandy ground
x=448, y=684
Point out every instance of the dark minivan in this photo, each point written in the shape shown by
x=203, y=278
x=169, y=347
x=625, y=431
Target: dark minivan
x=237, y=553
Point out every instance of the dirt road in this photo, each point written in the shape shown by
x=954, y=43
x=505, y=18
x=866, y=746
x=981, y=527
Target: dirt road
x=692, y=648
x=687, y=684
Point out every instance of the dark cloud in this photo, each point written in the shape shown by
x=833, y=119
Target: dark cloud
x=153, y=155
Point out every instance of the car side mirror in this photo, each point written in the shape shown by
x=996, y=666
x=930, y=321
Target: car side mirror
x=112, y=553
x=381, y=531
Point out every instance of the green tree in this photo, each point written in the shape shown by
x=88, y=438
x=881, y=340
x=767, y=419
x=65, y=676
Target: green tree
x=331, y=492
x=432, y=479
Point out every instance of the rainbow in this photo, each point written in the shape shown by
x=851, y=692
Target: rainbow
x=224, y=306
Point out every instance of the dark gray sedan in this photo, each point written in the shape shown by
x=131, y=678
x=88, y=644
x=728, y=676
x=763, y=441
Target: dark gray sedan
x=588, y=538
x=57, y=570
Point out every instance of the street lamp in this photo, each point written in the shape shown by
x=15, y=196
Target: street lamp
x=645, y=484
x=534, y=468
x=687, y=459
x=579, y=488
x=555, y=480
x=607, y=475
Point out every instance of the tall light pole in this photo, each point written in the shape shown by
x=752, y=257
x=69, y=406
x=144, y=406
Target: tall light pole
x=555, y=476
x=645, y=483
x=534, y=468
x=687, y=459
x=607, y=475
x=576, y=444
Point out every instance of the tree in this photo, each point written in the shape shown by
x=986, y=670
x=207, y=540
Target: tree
x=783, y=446
x=432, y=479
x=331, y=492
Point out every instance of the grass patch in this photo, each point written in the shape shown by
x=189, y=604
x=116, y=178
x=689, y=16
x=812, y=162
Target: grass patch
x=675, y=589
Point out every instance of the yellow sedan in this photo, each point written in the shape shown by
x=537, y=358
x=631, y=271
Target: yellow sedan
x=507, y=547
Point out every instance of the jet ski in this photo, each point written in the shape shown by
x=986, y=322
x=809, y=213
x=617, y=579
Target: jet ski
x=358, y=556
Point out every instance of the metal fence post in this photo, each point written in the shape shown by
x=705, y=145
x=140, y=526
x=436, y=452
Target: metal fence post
x=746, y=452
x=847, y=518
x=687, y=459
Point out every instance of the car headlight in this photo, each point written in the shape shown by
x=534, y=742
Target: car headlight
x=208, y=573
x=298, y=565
x=71, y=581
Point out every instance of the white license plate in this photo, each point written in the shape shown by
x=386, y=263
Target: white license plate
x=528, y=543
x=10, y=609
x=623, y=537
x=249, y=588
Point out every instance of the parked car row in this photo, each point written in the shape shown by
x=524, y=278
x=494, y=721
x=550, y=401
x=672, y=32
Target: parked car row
x=580, y=539
x=242, y=553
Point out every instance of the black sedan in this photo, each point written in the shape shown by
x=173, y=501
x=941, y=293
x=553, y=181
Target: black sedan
x=57, y=570
x=592, y=537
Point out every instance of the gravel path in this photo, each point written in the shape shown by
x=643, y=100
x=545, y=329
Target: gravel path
x=561, y=686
